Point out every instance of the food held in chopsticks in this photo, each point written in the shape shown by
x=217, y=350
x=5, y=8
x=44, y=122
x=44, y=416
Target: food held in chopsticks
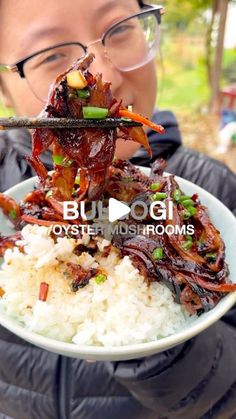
x=79, y=94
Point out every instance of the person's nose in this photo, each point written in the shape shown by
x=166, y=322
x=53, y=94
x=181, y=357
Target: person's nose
x=103, y=65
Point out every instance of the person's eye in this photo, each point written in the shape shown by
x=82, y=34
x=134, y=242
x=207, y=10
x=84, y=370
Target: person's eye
x=52, y=58
x=122, y=29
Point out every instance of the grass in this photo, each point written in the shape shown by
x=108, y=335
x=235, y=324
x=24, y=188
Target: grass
x=182, y=77
x=183, y=84
x=183, y=90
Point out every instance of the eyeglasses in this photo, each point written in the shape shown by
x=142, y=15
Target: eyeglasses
x=128, y=44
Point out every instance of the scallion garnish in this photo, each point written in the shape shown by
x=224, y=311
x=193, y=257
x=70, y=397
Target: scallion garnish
x=83, y=94
x=188, y=244
x=158, y=196
x=154, y=186
x=93, y=112
x=184, y=197
x=157, y=253
x=177, y=195
x=189, y=238
x=189, y=212
x=57, y=159
x=188, y=203
x=211, y=255
x=100, y=278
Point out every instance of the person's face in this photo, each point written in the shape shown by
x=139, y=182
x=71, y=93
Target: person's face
x=27, y=27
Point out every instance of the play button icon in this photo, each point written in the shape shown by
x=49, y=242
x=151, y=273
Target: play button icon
x=117, y=210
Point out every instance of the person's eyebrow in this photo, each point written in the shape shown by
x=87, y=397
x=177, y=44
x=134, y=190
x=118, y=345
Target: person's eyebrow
x=34, y=34
x=40, y=32
x=106, y=7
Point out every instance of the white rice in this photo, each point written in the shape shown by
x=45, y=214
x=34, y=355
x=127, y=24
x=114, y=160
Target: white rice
x=122, y=310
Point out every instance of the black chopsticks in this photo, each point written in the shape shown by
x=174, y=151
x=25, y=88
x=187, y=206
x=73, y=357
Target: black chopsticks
x=66, y=123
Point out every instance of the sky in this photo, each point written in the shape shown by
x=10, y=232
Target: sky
x=230, y=32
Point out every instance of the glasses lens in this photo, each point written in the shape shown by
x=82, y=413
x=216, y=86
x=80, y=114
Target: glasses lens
x=41, y=70
x=134, y=42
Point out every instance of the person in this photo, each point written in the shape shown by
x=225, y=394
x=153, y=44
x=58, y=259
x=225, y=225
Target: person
x=196, y=379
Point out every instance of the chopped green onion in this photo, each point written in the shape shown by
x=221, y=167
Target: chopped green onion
x=100, y=278
x=48, y=194
x=77, y=180
x=157, y=253
x=192, y=211
x=158, y=196
x=188, y=203
x=93, y=112
x=184, y=197
x=83, y=94
x=177, y=195
x=188, y=244
x=211, y=255
x=187, y=213
x=189, y=238
x=12, y=214
x=57, y=159
x=154, y=186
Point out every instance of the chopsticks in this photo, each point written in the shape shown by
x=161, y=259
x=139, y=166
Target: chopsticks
x=66, y=123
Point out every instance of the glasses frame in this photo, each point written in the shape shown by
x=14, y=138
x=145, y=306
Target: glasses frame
x=18, y=67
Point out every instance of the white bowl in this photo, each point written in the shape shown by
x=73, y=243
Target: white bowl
x=222, y=218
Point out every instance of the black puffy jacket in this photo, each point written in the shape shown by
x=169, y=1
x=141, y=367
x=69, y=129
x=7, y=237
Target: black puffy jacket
x=191, y=381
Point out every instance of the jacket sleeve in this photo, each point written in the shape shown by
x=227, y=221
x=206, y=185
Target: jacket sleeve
x=193, y=380
x=13, y=167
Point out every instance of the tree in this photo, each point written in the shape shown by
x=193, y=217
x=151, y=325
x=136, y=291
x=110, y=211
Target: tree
x=214, y=64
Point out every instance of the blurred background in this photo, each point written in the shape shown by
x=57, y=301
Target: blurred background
x=197, y=74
